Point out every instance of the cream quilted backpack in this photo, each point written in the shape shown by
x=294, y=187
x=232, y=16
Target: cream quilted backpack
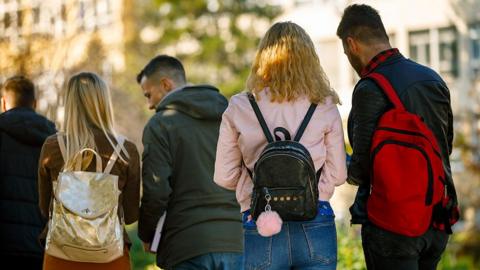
x=84, y=225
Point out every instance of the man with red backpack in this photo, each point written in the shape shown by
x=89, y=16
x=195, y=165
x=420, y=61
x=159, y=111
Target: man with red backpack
x=401, y=131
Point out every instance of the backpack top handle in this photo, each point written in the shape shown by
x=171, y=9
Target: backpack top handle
x=78, y=165
x=78, y=158
x=387, y=88
x=284, y=131
x=264, y=126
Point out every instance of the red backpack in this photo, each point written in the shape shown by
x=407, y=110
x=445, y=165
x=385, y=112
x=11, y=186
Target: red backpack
x=407, y=178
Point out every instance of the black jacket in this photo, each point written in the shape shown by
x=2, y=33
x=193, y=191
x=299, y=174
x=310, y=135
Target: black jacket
x=422, y=92
x=22, y=133
x=180, y=143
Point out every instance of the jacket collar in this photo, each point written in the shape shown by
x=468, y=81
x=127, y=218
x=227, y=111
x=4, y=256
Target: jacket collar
x=379, y=59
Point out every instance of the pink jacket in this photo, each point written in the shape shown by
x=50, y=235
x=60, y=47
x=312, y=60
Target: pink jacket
x=241, y=141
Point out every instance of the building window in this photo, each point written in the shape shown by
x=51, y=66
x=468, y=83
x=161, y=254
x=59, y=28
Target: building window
x=474, y=35
x=81, y=15
x=20, y=18
x=36, y=15
x=63, y=12
x=95, y=7
x=448, y=49
x=7, y=20
x=81, y=10
x=102, y=12
x=475, y=40
x=419, y=46
x=87, y=11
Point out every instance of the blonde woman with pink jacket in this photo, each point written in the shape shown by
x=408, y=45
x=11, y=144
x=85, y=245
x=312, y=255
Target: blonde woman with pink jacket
x=286, y=78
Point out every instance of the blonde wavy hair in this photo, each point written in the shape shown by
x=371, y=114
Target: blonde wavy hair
x=87, y=105
x=286, y=63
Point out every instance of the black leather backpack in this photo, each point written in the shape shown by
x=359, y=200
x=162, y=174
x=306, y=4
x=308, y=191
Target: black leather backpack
x=284, y=176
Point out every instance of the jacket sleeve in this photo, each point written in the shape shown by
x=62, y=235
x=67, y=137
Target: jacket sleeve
x=368, y=104
x=228, y=162
x=131, y=191
x=44, y=181
x=450, y=126
x=156, y=174
x=334, y=170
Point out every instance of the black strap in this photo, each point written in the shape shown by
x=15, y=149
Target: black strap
x=285, y=133
x=305, y=121
x=260, y=118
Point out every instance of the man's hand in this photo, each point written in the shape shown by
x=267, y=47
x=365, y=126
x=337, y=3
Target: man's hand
x=146, y=247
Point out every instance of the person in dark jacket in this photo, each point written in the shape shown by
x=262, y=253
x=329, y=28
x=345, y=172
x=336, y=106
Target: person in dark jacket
x=422, y=92
x=22, y=133
x=203, y=226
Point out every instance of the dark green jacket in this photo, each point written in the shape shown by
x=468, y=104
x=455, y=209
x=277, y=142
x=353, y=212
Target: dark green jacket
x=180, y=143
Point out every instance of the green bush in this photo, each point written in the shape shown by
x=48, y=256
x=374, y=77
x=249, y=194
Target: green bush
x=350, y=252
x=139, y=259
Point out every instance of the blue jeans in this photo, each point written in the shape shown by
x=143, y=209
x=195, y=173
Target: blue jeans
x=212, y=261
x=303, y=245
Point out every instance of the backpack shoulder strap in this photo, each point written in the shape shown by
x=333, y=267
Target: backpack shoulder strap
x=114, y=156
x=260, y=118
x=387, y=88
x=304, y=123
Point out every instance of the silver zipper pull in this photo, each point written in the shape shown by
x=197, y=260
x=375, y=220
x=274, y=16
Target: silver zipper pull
x=268, y=198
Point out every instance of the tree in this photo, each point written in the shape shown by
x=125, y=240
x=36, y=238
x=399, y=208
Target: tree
x=216, y=40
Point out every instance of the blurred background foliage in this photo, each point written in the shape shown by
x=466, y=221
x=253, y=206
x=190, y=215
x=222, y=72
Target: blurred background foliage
x=215, y=40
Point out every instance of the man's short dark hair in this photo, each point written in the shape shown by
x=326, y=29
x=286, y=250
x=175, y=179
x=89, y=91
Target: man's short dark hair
x=363, y=23
x=21, y=89
x=165, y=65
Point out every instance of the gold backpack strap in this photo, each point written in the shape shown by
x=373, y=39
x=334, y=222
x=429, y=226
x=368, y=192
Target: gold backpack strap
x=114, y=156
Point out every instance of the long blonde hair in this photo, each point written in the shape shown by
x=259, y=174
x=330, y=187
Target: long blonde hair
x=286, y=63
x=87, y=105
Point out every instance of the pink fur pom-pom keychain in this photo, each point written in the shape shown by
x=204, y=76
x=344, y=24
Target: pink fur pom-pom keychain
x=269, y=223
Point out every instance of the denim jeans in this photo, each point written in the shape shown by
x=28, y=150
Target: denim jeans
x=299, y=245
x=387, y=250
x=212, y=261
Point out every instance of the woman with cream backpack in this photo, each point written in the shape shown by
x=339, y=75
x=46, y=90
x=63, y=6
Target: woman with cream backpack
x=89, y=183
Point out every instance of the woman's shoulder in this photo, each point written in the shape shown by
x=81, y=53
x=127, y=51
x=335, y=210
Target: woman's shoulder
x=131, y=148
x=237, y=103
x=51, y=155
x=328, y=104
x=238, y=99
x=51, y=142
x=328, y=110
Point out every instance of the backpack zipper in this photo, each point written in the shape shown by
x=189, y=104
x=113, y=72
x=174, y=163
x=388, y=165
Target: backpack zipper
x=280, y=154
x=413, y=133
x=299, y=158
